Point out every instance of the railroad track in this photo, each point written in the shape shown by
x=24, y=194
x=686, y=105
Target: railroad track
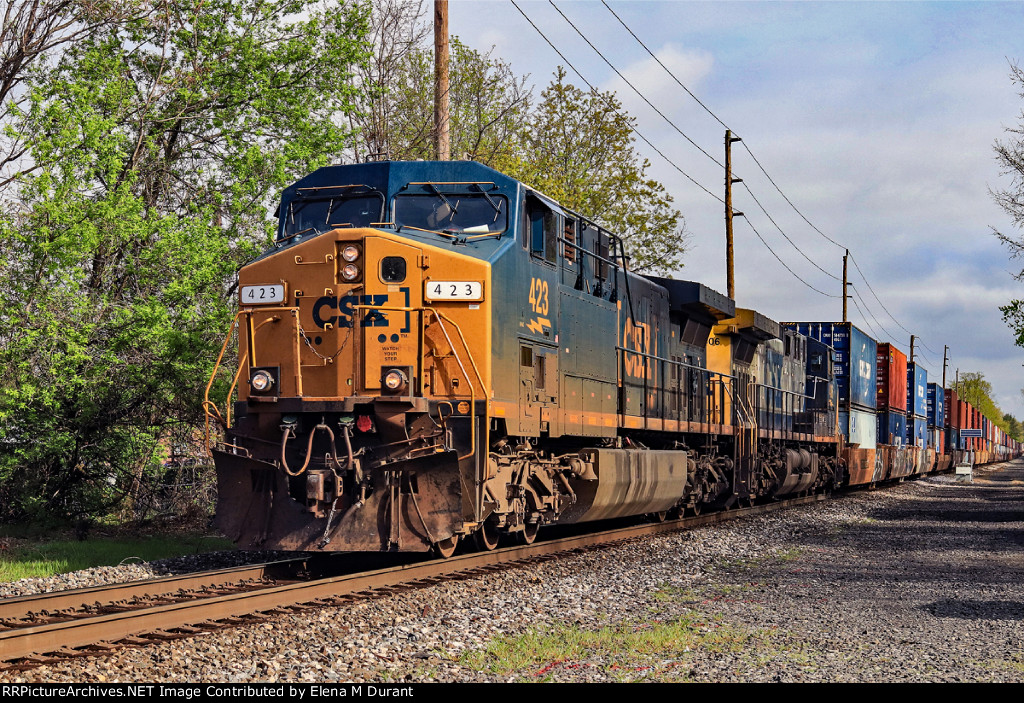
x=45, y=628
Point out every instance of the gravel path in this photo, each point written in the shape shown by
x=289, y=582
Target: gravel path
x=920, y=582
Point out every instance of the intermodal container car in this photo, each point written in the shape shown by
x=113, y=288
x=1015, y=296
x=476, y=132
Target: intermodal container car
x=855, y=354
x=892, y=428
x=892, y=378
x=936, y=406
x=917, y=391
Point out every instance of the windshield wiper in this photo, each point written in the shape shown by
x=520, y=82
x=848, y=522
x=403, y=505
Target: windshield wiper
x=496, y=206
x=438, y=193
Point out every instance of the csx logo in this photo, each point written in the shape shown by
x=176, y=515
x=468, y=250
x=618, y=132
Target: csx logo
x=637, y=337
x=345, y=311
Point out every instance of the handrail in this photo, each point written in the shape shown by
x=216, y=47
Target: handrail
x=207, y=403
x=210, y=408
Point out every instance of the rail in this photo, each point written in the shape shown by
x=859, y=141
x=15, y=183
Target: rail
x=685, y=396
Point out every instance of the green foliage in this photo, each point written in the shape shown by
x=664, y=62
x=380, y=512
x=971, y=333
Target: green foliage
x=578, y=149
x=31, y=559
x=657, y=650
x=974, y=389
x=576, y=146
x=489, y=106
x=1010, y=156
x=156, y=145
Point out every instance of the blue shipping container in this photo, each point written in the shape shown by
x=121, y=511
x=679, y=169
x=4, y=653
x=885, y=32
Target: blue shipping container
x=936, y=406
x=917, y=391
x=855, y=360
x=859, y=427
x=892, y=428
x=917, y=432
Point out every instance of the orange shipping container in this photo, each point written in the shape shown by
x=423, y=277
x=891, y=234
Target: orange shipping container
x=892, y=378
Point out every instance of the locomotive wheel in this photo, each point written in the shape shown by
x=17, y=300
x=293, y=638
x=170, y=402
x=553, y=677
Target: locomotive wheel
x=529, y=533
x=446, y=547
x=659, y=517
x=486, y=537
x=696, y=509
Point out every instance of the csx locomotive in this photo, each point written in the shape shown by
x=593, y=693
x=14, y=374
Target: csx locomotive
x=433, y=350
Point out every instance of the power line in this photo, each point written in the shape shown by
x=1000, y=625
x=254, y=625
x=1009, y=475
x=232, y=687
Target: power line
x=596, y=92
x=852, y=258
x=864, y=317
x=813, y=263
x=756, y=161
x=888, y=335
x=784, y=265
x=635, y=90
x=706, y=108
x=701, y=149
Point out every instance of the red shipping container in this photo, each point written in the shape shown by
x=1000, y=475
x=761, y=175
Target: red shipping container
x=952, y=409
x=892, y=378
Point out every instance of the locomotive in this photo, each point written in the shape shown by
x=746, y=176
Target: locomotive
x=432, y=351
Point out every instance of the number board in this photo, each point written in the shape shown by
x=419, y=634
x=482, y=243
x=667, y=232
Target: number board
x=454, y=290
x=262, y=295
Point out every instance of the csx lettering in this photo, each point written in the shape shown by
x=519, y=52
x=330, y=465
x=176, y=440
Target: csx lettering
x=539, y=296
x=343, y=305
x=637, y=337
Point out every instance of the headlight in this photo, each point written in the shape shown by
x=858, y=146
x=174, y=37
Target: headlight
x=350, y=253
x=395, y=380
x=261, y=381
x=350, y=272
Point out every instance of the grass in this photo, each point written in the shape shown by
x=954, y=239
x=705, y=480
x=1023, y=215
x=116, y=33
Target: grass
x=629, y=652
x=25, y=558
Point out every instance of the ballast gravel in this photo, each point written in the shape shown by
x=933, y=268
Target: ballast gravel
x=923, y=581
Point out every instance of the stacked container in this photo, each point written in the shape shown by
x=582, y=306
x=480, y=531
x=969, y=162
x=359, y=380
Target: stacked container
x=937, y=416
x=891, y=372
x=917, y=406
x=855, y=357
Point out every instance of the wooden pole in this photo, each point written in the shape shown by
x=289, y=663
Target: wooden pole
x=845, y=284
x=730, y=280
x=441, y=112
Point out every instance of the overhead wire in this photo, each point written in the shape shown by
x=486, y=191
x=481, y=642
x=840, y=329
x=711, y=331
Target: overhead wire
x=863, y=316
x=762, y=169
x=772, y=220
x=816, y=290
x=635, y=89
x=644, y=139
x=589, y=43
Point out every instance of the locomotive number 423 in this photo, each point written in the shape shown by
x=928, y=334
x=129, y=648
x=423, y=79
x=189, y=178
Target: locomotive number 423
x=539, y=296
x=454, y=290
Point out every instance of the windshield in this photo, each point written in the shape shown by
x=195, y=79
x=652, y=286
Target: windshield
x=317, y=215
x=468, y=213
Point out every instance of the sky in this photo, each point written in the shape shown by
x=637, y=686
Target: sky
x=877, y=120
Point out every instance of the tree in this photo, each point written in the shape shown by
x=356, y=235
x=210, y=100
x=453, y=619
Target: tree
x=489, y=102
x=31, y=30
x=578, y=148
x=1010, y=156
x=157, y=145
x=974, y=389
x=398, y=30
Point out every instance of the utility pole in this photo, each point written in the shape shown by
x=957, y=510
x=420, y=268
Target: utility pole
x=442, y=140
x=845, y=283
x=911, y=349
x=945, y=360
x=729, y=214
